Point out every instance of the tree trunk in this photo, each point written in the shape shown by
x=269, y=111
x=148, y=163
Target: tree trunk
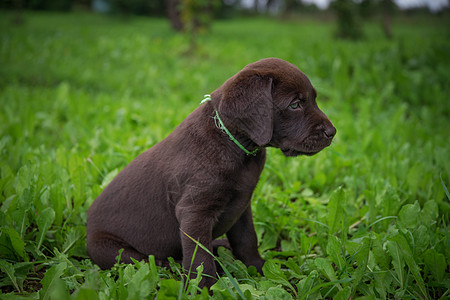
x=387, y=7
x=255, y=5
x=18, y=18
x=174, y=14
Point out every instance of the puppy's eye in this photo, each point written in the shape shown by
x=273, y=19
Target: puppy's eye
x=295, y=104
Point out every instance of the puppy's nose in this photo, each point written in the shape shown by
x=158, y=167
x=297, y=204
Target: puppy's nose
x=330, y=131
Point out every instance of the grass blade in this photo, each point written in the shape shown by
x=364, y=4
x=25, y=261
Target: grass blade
x=362, y=259
x=8, y=269
x=232, y=279
x=318, y=287
x=397, y=261
x=445, y=187
x=273, y=272
x=335, y=212
x=73, y=235
x=16, y=241
x=190, y=269
x=50, y=279
x=44, y=221
x=382, y=219
x=409, y=259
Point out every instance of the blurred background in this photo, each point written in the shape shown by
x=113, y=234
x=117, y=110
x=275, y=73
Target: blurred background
x=192, y=15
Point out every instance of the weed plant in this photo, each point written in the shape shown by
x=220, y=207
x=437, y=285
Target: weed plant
x=82, y=95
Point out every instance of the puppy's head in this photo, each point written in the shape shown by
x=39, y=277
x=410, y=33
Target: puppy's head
x=273, y=103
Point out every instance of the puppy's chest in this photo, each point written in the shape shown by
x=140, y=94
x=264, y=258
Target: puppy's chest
x=235, y=206
x=247, y=179
x=237, y=198
x=222, y=194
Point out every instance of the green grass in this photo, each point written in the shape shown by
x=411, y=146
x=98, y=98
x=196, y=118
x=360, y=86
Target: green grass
x=81, y=95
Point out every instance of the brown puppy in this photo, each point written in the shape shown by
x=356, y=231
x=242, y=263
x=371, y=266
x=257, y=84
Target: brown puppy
x=199, y=181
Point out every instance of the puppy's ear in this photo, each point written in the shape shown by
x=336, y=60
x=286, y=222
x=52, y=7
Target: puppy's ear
x=246, y=103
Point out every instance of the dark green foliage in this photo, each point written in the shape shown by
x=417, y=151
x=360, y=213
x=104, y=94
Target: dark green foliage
x=82, y=95
x=139, y=7
x=349, y=23
x=50, y=5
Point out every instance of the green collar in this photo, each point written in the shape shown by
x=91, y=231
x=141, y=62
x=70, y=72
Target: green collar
x=221, y=126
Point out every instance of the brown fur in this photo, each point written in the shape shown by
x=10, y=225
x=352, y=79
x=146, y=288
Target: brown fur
x=200, y=182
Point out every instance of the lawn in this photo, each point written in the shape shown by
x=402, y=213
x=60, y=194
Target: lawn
x=81, y=95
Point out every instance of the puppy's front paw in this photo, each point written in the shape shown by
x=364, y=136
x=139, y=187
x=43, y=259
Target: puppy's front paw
x=258, y=263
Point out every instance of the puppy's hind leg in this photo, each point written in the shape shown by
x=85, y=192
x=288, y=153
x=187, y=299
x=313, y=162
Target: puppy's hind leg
x=104, y=248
